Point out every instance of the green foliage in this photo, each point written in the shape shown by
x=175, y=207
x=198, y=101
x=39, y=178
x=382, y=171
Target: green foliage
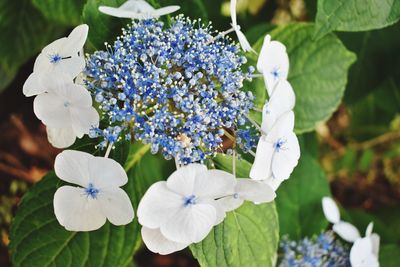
x=66, y=12
x=24, y=32
x=299, y=200
x=389, y=255
x=102, y=28
x=37, y=239
x=247, y=237
x=318, y=73
x=377, y=60
x=355, y=15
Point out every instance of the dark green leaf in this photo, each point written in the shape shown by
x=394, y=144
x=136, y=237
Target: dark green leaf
x=355, y=15
x=24, y=32
x=66, y=12
x=389, y=255
x=299, y=200
x=102, y=28
x=377, y=60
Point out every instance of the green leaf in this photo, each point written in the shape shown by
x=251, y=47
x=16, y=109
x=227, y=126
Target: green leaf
x=318, y=73
x=7, y=75
x=66, y=12
x=355, y=15
x=377, y=60
x=37, y=239
x=247, y=237
x=194, y=9
x=299, y=200
x=24, y=32
x=103, y=28
x=389, y=255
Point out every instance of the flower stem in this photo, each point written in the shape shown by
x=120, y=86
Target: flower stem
x=220, y=35
x=234, y=163
x=110, y=145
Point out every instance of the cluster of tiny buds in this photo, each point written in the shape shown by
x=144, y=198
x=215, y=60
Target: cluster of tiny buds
x=176, y=88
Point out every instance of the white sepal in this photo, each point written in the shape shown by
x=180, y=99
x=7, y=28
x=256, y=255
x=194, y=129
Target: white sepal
x=331, y=210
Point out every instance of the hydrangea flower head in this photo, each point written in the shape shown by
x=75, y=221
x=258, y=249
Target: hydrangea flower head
x=323, y=251
x=170, y=87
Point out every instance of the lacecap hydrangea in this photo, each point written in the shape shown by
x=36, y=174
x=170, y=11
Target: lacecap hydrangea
x=176, y=87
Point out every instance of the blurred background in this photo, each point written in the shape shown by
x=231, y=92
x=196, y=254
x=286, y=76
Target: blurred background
x=359, y=147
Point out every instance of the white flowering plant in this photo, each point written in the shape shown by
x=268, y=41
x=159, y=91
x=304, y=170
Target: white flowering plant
x=177, y=133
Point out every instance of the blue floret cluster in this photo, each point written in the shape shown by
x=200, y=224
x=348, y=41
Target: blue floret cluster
x=321, y=251
x=177, y=88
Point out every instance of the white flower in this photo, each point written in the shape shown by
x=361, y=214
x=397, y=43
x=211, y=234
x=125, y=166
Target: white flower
x=345, y=230
x=281, y=101
x=361, y=253
x=273, y=63
x=277, y=153
x=98, y=196
x=184, y=208
x=66, y=106
x=242, y=38
x=365, y=250
x=247, y=189
x=137, y=9
x=61, y=56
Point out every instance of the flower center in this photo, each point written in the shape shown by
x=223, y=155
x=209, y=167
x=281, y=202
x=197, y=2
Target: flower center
x=190, y=200
x=91, y=191
x=275, y=73
x=279, y=144
x=54, y=59
x=67, y=104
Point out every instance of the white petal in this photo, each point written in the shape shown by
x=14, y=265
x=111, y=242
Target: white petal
x=254, y=191
x=190, y=224
x=369, y=229
x=230, y=203
x=182, y=180
x=273, y=182
x=83, y=119
x=33, y=85
x=331, y=210
x=243, y=42
x=157, y=243
x=77, y=95
x=361, y=254
x=282, y=101
x=106, y=173
x=165, y=10
x=375, y=239
x=72, y=66
x=286, y=158
x=158, y=205
x=273, y=63
x=75, y=40
x=60, y=137
x=220, y=211
x=116, y=12
x=116, y=206
x=347, y=231
x=214, y=184
x=261, y=168
x=51, y=110
x=73, y=167
x=77, y=212
x=283, y=126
